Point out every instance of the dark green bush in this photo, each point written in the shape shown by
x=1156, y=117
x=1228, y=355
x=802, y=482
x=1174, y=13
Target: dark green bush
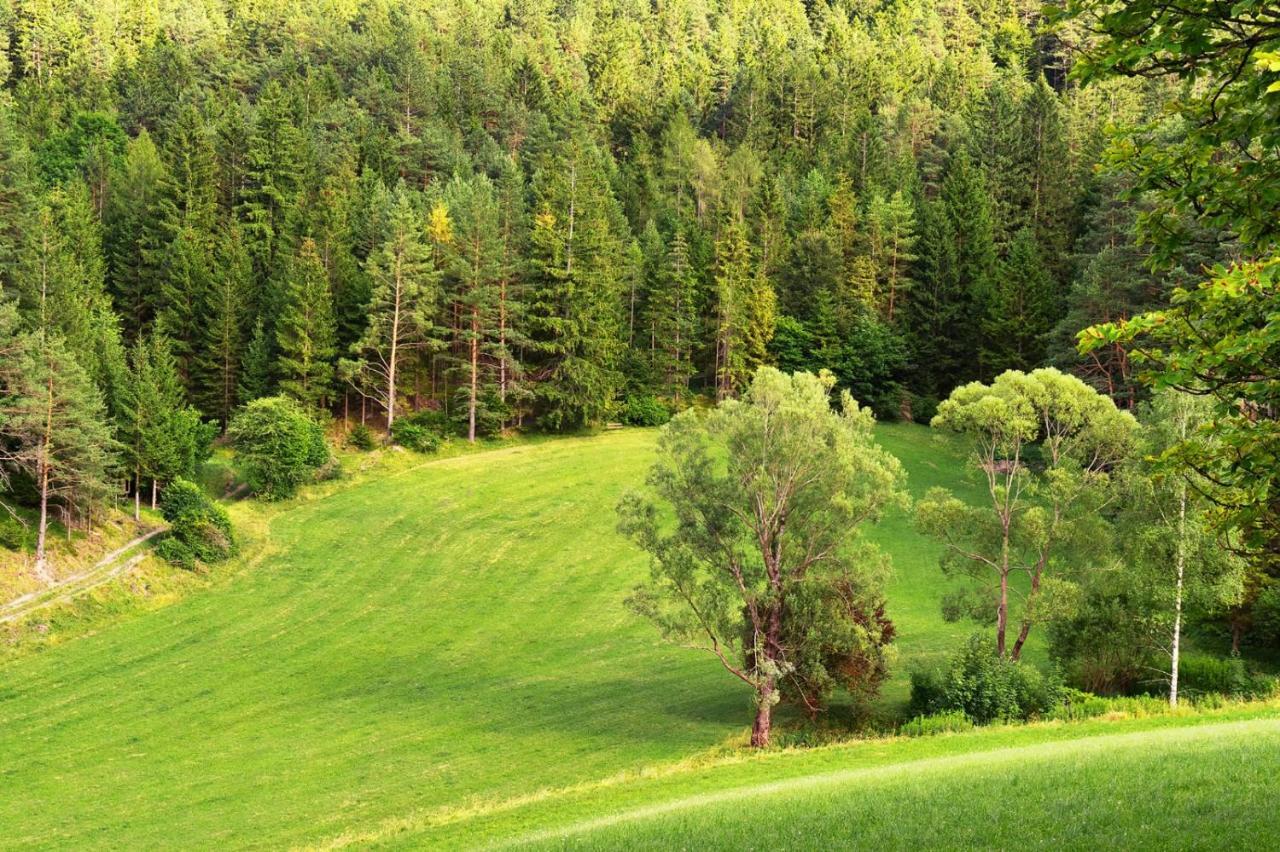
x=414, y=436
x=1201, y=674
x=985, y=687
x=279, y=444
x=199, y=529
x=13, y=534
x=644, y=410
x=361, y=438
x=176, y=552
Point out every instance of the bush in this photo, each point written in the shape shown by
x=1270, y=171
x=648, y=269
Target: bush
x=985, y=687
x=412, y=435
x=644, y=410
x=361, y=438
x=14, y=535
x=1201, y=674
x=279, y=444
x=938, y=723
x=199, y=529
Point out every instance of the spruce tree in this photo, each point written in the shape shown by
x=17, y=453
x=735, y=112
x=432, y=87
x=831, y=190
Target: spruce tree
x=55, y=424
x=405, y=289
x=135, y=234
x=254, y=381
x=216, y=369
x=673, y=307
x=1018, y=313
x=305, y=333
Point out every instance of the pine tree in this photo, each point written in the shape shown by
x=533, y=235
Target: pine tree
x=405, y=289
x=272, y=175
x=216, y=369
x=744, y=315
x=575, y=316
x=255, y=381
x=162, y=436
x=55, y=421
x=673, y=307
x=474, y=259
x=1019, y=311
x=893, y=226
x=305, y=333
x=135, y=234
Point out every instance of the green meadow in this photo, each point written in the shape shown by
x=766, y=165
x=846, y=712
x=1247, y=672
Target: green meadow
x=405, y=652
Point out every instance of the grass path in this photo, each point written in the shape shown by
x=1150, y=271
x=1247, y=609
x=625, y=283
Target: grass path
x=68, y=588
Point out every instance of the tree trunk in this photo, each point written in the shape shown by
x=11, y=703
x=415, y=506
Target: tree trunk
x=1002, y=613
x=1180, y=564
x=153, y=494
x=1026, y=620
x=42, y=562
x=137, y=496
x=475, y=373
x=763, y=724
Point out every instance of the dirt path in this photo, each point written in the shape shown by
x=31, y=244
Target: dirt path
x=107, y=568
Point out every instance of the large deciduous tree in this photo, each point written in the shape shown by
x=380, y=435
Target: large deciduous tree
x=768, y=495
x=1039, y=514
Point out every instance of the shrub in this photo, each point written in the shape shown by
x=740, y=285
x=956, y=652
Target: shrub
x=361, y=438
x=644, y=410
x=411, y=435
x=14, y=535
x=279, y=444
x=938, y=723
x=985, y=687
x=199, y=529
x=1201, y=674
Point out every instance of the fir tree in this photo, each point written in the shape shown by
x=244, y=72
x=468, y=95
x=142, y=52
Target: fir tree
x=1018, y=313
x=305, y=331
x=405, y=285
x=135, y=234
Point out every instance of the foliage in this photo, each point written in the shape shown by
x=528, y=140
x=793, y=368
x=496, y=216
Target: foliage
x=1221, y=340
x=764, y=567
x=1222, y=170
x=361, y=438
x=644, y=410
x=280, y=445
x=985, y=686
x=199, y=529
x=1043, y=520
x=948, y=722
x=413, y=434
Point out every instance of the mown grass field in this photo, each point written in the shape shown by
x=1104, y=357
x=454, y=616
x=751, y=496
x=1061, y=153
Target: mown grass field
x=400, y=650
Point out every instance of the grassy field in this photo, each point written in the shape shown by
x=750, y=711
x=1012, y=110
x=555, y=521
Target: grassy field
x=1202, y=786
x=414, y=645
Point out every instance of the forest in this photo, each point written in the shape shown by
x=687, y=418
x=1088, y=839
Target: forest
x=274, y=234
x=449, y=421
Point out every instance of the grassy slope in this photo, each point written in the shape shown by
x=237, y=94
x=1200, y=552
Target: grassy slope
x=450, y=633
x=1203, y=786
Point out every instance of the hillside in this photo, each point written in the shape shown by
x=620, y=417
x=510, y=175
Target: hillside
x=402, y=643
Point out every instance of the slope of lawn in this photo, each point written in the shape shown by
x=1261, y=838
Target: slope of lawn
x=1206, y=785
x=449, y=634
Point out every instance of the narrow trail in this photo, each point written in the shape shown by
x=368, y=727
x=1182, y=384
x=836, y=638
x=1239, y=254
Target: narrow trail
x=106, y=569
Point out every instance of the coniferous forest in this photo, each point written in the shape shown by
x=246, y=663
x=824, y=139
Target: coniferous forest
x=552, y=215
